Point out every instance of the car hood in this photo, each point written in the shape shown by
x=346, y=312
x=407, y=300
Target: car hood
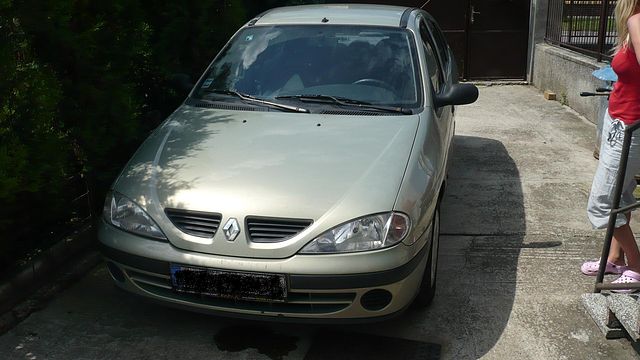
x=324, y=168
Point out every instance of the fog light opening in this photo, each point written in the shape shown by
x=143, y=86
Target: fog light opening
x=374, y=300
x=115, y=272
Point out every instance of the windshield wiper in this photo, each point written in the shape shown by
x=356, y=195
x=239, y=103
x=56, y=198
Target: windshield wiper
x=338, y=100
x=253, y=99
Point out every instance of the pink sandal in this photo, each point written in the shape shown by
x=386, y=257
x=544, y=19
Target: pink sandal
x=590, y=268
x=627, y=277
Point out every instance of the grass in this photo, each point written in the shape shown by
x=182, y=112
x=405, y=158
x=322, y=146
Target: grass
x=586, y=23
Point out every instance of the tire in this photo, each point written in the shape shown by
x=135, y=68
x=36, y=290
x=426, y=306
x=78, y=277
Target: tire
x=427, y=289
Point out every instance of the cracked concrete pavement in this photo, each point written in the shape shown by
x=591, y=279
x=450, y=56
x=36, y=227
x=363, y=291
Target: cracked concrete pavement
x=514, y=235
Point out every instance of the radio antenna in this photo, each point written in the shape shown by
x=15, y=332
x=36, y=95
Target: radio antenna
x=425, y=4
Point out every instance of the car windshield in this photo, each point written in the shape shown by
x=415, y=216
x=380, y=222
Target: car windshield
x=374, y=65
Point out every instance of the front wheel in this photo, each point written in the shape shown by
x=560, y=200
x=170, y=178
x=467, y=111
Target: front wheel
x=428, y=284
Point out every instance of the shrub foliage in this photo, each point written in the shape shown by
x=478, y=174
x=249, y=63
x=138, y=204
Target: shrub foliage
x=83, y=83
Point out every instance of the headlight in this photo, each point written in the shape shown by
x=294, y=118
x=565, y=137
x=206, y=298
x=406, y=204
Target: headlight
x=367, y=233
x=128, y=216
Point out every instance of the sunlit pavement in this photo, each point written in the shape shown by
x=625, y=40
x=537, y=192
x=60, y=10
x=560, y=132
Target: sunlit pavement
x=514, y=235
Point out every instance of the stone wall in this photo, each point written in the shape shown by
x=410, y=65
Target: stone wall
x=567, y=73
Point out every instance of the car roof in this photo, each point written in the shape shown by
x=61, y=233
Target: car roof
x=336, y=14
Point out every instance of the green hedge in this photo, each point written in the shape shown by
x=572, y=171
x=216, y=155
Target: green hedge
x=83, y=83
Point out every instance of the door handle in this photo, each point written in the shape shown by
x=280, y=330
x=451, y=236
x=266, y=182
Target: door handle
x=474, y=13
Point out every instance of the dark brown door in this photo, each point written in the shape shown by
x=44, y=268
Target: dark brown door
x=488, y=37
x=451, y=15
x=498, y=39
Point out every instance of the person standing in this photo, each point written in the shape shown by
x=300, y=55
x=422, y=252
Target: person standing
x=624, y=110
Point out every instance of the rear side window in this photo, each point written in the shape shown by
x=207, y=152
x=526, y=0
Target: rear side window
x=433, y=62
x=441, y=43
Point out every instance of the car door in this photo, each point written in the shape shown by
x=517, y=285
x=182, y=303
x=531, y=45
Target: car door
x=426, y=170
x=449, y=67
x=437, y=58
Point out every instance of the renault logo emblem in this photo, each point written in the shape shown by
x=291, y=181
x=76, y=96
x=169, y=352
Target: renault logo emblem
x=231, y=229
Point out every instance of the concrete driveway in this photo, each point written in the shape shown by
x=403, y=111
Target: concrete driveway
x=514, y=235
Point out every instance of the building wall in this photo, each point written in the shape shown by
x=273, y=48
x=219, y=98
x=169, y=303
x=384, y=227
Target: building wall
x=567, y=73
x=563, y=71
x=537, y=29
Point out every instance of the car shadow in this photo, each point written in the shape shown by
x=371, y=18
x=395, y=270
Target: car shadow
x=482, y=233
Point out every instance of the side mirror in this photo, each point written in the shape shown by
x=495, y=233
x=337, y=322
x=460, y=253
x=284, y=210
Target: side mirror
x=181, y=82
x=457, y=94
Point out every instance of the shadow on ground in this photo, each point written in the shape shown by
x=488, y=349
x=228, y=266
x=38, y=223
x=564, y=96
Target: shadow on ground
x=483, y=229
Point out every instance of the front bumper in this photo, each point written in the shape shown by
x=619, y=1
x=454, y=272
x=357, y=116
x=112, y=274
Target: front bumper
x=356, y=286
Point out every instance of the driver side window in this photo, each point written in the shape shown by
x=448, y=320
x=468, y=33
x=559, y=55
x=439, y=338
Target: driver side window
x=433, y=63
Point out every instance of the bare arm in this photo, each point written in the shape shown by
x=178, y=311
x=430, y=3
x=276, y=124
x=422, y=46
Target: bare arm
x=633, y=24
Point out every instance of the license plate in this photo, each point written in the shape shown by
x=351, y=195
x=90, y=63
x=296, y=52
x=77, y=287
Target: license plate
x=229, y=284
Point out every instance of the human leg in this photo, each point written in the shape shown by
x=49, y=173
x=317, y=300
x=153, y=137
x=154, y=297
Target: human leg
x=624, y=239
x=601, y=197
x=616, y=252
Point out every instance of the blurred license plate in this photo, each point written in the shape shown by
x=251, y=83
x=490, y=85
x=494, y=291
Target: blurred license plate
x=228, y=284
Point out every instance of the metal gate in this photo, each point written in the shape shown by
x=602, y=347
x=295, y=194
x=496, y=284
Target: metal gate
x=488, y=37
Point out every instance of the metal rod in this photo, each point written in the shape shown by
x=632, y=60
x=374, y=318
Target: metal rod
x=573, y=14
x=549, y=23
x=626, y=208
x=634, y=126
x=603, y=28
x=628, y=286
x=570, y=21
x=617, y=193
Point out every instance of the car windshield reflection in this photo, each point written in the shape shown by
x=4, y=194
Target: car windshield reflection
x=375, y=65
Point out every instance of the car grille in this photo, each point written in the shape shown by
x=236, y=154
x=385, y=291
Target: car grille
x=298, y=302
x=196, y=223
x=269, y=230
